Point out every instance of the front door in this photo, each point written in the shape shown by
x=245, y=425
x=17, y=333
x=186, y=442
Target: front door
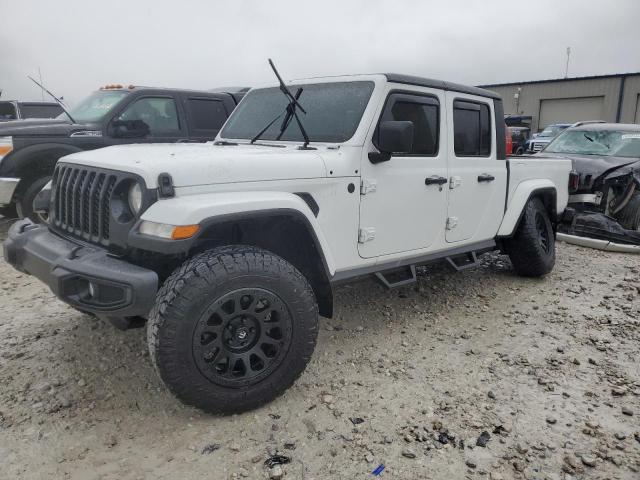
x=158, y=114
x=403, y=201
x=478, y=180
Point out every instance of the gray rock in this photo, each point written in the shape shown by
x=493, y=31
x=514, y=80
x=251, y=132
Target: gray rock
x=407, y=453
x=276, y=472
x=588, y=460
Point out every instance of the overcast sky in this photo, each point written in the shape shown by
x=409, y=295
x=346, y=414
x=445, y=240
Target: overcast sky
x=82, y=44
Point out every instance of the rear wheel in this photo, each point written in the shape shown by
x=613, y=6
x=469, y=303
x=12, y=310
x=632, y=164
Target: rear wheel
x=24, y=205
x=232, y=329
x=532, y=249
x=629, y=216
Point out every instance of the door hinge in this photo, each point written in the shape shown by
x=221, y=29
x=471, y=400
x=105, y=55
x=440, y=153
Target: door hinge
x=452, y=222
x=366, y=234
x=455, y=182
x=368, y=186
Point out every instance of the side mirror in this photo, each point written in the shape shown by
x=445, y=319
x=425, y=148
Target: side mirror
x=394, y=136
x=129, y=129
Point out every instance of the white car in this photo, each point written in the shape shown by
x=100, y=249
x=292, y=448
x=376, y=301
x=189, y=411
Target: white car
x=230, y=249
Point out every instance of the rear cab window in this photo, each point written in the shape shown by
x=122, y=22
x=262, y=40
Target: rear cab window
x=205, y=116
x=471, y=128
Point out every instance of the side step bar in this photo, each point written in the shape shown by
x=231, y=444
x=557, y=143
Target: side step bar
x=409, y=277
x=467, y=260
x=399, y=277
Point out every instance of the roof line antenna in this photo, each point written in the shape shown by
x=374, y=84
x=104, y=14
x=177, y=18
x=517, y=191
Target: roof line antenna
x=58, y=101
x=294, y=104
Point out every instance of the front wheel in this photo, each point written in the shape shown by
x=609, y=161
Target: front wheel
x=232, y=329
x=532, y=249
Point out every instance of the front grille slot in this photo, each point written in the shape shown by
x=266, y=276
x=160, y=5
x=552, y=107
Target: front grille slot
x=81, y=202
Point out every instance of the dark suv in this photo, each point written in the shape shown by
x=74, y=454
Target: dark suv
x=112, y=115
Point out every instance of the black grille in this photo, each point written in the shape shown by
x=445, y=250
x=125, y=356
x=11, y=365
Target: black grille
x=81, y=201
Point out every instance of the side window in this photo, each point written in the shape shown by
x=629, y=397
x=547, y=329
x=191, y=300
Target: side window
x=424, y=112
x=7, y=111
x=206, y=114
x=159, y=113
x=471, y=129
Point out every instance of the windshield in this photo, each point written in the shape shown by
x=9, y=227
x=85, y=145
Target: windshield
x=333, y=112
x=601, y=142
x=95, y=106
x=551, y=131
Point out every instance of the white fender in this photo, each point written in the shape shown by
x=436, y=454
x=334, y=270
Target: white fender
x=193, y=209
x=517, y=202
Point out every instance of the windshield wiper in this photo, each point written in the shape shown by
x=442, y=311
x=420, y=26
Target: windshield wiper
x=599, y=143
x=288, y=113
x=261, y=132
x=58, y=101
x=292, y=108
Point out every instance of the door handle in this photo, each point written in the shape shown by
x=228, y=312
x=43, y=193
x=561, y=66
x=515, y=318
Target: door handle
x=435, y=180
x=485, y=177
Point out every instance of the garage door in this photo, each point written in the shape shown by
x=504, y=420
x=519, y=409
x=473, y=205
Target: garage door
x=569, y=110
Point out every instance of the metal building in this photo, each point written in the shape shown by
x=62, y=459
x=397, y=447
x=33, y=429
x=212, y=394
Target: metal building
x=612, y=98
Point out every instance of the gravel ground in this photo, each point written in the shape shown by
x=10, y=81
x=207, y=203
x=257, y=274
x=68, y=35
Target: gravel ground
x=479, y=374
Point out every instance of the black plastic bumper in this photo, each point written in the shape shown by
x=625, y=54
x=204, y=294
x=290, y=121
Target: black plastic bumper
x=85, y=277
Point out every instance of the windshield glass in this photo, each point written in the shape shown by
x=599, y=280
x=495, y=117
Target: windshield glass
x=95, y=106
x=551, y=131
x=333, y=112
x=601, y=142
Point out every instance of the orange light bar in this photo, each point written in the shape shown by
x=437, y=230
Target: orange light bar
x=184, y=231
x=5, y=149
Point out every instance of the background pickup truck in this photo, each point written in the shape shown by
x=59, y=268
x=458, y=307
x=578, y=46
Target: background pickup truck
x=230, y=249
x=113, y=115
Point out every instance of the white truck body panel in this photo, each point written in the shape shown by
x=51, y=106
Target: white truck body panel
x=404, y=217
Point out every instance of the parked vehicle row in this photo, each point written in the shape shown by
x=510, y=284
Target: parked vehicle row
x=230, y=249
x=112, y=115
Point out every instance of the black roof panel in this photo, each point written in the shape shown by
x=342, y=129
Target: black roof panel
x=440, y=84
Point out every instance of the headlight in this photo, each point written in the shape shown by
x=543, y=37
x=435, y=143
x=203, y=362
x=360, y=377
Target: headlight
x=6, y=145
x=135, y=198
x=166, y=231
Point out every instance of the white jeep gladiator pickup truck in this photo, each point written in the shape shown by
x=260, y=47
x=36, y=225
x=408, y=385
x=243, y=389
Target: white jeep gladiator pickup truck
x=230, y=249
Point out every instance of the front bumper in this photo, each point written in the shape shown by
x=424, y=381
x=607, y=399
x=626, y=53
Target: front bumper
x=7, y=187
x=85, y=277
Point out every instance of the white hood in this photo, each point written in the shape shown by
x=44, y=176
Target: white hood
x=205, y=163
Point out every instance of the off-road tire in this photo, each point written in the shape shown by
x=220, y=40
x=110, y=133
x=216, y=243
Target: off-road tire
x=629, y=216
x=532, y=251
x=24, y=205
x=195, y=289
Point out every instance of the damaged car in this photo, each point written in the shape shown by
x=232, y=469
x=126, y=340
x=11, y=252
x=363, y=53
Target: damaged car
x=604, y=186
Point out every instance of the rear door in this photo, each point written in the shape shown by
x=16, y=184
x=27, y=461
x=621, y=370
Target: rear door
x=399, y=212
x=205, y=115
x=478, y=181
